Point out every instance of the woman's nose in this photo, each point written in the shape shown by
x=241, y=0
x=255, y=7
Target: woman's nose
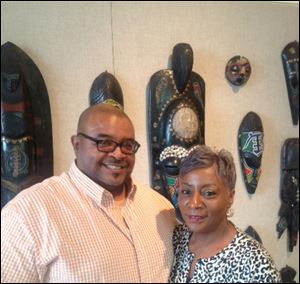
x=196, y=200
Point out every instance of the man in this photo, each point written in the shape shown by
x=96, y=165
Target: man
x=92, y=224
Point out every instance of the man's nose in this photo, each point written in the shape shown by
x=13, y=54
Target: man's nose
x=118, y=151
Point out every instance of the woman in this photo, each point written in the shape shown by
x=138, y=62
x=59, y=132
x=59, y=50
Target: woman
x=207, y=247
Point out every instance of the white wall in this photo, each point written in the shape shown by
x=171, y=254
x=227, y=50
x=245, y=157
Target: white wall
x=73, y=42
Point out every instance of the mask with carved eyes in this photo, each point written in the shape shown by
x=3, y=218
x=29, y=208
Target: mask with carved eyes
x=251, y=146
x=290, y=61
x=238, y=70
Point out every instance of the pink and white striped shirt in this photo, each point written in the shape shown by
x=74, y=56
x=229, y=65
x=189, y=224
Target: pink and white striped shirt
x=67, y=229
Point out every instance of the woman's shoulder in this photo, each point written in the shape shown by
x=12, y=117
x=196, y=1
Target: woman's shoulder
x=255, y=249
x=252, y=255
x=181, y=234
x=250, y=243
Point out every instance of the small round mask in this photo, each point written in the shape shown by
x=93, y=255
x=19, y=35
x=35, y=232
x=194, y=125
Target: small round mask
x=238, y=70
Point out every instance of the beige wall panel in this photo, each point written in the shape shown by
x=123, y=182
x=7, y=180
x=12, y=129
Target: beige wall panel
x=72, y=43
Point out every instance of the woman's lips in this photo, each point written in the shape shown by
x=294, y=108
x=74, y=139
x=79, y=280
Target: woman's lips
x=196, y=218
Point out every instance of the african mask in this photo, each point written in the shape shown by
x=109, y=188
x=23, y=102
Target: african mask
x=289, y=192
x=290, y=61
x=252, y=233
x=288, y=274
x=26, y=129
x=106, y=89
x=250, y=144
x=238, y=70
x=176, y=100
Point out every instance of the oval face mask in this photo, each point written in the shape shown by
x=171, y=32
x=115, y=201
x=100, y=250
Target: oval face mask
x=251, y=145
x=26, y=128
x=290, y=61
x=238, y=70
x=289, y=192
x=106, y=89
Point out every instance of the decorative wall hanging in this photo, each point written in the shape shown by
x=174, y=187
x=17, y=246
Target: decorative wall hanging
x=26, y=130
x=290, y=61
x=289, y=192
x=176, y=101
x=238, y=70
x=250, y=144
x=106, y=89
x=287, y=274
x=252, y=233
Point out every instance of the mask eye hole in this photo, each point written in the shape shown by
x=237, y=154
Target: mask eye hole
x=252, y=161
x=234, y=69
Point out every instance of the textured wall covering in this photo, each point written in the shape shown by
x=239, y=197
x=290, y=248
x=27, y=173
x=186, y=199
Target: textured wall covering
x=73, y=42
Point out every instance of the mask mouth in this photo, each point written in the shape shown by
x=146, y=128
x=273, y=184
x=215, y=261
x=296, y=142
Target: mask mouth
x=252, y=161
x=295, y=83
x=171, y=167
x=252, y=186
x=240, y=80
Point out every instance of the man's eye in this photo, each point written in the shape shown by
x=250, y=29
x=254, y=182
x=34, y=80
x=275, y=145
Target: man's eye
x=105, y=142
x=128, y=145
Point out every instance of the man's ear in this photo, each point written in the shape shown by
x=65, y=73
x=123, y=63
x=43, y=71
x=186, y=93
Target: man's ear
x=75, y=142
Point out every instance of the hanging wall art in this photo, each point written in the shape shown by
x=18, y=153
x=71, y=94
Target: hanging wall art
x=251, y=146
x=26, y=129
x=106, y=89
x=238, y=70
x=176, y=101
x=289, y=192
x=290, y=61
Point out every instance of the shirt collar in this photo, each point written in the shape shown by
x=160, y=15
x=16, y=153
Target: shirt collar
x=93, y=190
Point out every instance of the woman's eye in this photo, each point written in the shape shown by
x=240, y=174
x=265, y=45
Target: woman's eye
x=209, y=193
x=185, y=191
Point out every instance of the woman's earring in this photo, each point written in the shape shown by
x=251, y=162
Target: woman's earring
x=229, y=212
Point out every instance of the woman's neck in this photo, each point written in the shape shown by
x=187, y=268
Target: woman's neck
x=204, y=245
